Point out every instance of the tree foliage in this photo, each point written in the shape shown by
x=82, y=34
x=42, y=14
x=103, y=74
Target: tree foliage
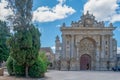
x=25, y=45
x=25, y=42
x=18, y=70
x=4, y=34
x=44, y=58
x=38, y=68
x=22, y=12
x=9, y=64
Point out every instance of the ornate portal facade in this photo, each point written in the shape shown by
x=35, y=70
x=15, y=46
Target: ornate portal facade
x=87, y=45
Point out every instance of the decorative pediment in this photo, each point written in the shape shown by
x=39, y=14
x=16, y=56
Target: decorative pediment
x=87, y=20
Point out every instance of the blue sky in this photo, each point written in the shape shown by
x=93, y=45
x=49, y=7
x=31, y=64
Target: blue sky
x=48, y=15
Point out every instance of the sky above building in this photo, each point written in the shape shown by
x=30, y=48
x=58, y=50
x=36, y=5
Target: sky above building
x=49, y=15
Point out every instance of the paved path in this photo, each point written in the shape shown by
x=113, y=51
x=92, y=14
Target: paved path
x=71, y=75
x=82, y=75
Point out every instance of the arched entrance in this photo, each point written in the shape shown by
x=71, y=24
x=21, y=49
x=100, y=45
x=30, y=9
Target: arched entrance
x=85, y=62
x=87, y=53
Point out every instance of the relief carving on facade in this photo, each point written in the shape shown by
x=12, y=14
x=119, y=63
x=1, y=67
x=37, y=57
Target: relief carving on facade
x=87, y=46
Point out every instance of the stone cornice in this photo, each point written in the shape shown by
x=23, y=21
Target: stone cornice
x=87, y=28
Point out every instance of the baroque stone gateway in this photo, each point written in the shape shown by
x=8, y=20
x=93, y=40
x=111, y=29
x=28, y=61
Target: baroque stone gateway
x=86, y=45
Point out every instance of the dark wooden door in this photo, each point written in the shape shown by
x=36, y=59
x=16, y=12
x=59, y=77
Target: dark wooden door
x=85, y=62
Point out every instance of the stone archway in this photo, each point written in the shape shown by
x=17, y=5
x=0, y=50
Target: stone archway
x=85, y=62
x=87, y=53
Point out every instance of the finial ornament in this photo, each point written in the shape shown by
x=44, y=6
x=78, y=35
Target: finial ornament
x=57, y=38
x=87, y=12
x=63, y=25
x=72, y=23
x=111, y=25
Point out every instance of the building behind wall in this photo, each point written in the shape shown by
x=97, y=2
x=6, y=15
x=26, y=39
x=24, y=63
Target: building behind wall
x=87, y=45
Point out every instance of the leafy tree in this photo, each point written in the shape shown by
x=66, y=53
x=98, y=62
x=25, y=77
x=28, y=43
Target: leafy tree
x=24, y=46
x=44, y=58
x=9, y=64
x=38, y=68
x=25, y=42
x=4, y=34
x=19, y=70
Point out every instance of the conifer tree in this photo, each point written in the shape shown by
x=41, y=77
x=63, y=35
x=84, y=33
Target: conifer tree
x=25, y=42
x=4, y=34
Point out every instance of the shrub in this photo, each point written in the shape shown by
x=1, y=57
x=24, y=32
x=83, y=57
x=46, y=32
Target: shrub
x=19, y=70
x=38, y=69
x=9, y=64
x=44, y=59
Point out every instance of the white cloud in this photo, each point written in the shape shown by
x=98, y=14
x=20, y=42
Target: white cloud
x=4, y=11
x=47, y=14
x=103, y=10
x=42, y=14
x=115, y=18
x=53, y=48
x=58, y=26
x=118, y=50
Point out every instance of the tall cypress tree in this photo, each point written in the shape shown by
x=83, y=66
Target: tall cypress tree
x=4, y=34
x=25, y=42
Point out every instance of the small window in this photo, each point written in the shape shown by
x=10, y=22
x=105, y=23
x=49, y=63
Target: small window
x=106, y=47
x=106, y=53
x=106, y=42
x=67, y=42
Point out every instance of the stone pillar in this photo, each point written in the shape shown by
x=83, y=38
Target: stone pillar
x=64, y=55
x=72, y=57
x=103, y=46
x=97, y=57
x=72, y=46
x=111, y=47
x=77, y=58
x=102, y=62
x=63, y=47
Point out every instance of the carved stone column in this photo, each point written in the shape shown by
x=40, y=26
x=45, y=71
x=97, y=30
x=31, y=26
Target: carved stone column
x=63, y=47
x=97, y=57
x=111, y=47
x=77, y=57
x=103, y=46
x=72, y=46
x=102, y=53
x=72, y=63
